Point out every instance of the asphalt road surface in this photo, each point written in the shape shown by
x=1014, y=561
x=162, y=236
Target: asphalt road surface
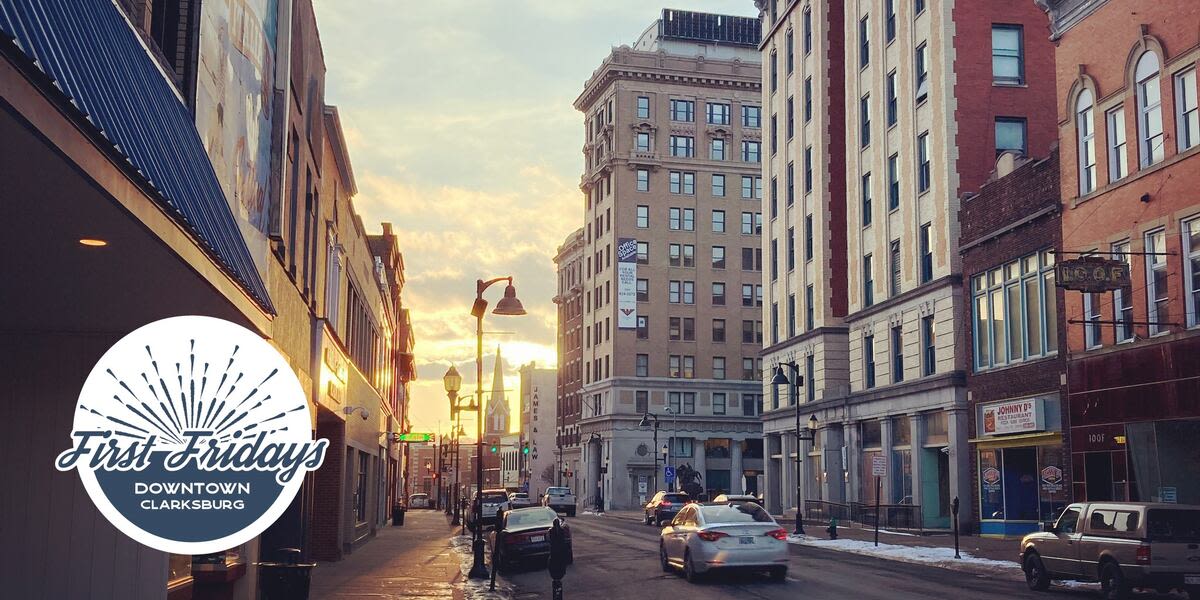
x=617, y=558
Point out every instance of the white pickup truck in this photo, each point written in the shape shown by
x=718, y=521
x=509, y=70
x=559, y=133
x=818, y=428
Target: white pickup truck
x=561, y=499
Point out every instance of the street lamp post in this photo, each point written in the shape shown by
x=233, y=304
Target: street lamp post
x=645, y=422
x=452, y=381
x=671, y=443
x=508, y=305
x=781, y=378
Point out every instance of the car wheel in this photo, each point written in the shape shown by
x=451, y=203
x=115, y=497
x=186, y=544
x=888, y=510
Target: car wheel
x=689, y=569
x=778, y=574
x=1035, y=573
x=662, y=558
x=1112, y=582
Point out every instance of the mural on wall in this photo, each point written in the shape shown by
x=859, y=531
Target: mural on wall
x=234, y=86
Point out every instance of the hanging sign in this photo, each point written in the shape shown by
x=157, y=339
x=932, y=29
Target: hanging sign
x=1092, y=274
x=627, y=283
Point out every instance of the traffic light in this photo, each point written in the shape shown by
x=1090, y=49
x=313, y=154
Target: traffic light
x=525, y=448
x=494, y=449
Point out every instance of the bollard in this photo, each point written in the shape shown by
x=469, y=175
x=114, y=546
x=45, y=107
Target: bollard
x=832, y=528
x=557, y=563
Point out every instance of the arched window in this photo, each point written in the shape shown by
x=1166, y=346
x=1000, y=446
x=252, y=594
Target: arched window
x=1149, y=105
x=1085, y=129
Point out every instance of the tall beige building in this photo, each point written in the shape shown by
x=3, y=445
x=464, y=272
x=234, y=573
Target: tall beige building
x=672, y=181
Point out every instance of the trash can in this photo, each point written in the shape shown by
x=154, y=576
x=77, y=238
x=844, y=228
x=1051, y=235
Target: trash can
x=287, y=580
x=398, y=515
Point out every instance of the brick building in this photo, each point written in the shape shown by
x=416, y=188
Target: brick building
x=1016, y=376
x=569, y=401
x=1130, y=131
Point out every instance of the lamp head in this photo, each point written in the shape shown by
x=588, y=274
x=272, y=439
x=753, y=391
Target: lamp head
x=664, y=449
x=645, y=422
x=509, y=304
x=452, y=380
x=779, y=378
x=813, y=423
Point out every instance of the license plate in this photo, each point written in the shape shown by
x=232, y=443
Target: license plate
x=1191, y=580
x=537, y=538
x=746, y=540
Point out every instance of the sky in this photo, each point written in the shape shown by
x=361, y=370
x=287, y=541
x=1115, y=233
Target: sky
x=459, y=120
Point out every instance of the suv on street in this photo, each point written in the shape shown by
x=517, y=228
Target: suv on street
x=664, y=506
x=561, y=499
x=494, y=501
x=1123, y=545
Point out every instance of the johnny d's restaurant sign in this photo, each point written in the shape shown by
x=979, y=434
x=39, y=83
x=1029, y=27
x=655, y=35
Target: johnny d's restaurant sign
x=1014, y=416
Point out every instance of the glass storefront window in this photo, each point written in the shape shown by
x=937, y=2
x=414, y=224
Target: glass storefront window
x=900, y=468
x=717, y=448
x=936, y=429
x=901, y=431
x=868, y=486
x=991, y=485
x=1162, y=457
x=1051, y=481
x=872, y=437
x=752, y=448
x=179, y=568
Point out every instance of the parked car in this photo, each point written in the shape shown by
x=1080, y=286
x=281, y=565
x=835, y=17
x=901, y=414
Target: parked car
x=663, y=507
x=1123, y=545
x=736, y=498
x=494, y=501
x=703, y=537
x=526, y=536
x=520, y=500
x=418, y=501
x=561, y=499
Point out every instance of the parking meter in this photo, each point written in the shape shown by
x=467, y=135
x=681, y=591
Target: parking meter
x=557, y=564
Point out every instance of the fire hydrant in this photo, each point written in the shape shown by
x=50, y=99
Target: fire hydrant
x=832, y=529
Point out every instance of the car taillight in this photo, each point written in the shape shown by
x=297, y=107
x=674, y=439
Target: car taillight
x=1143, y=555
x=779, y=534
x=711, y=536
x=666, y=503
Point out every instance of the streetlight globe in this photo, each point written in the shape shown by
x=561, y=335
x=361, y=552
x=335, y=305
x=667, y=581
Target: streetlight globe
x=509, y=304
x=664, y=449
x=813, y=423
x=452, y=380
x=779, y=378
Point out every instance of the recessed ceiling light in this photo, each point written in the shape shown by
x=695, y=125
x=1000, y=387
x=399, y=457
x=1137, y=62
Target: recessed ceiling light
x=93, y=242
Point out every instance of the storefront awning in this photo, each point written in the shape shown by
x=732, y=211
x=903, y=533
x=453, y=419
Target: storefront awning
x=1042, y=438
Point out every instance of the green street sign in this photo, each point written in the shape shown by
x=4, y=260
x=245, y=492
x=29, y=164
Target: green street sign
x=416, y=437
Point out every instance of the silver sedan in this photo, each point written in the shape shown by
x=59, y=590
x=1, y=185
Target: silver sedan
x=703, y=537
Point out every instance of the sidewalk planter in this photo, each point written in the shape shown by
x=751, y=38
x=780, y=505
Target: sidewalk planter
x=285, y=581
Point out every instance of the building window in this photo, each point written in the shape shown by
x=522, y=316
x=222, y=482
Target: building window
x=643, y=253
x=642, y=142
x=717, y=149
x=682, y=182
x=1010, y=135
x=718, y=398
x=641, y=403
x=748, y=371
x=682, y=446
x=808, y=169
x=1015, y=312
x=868, y=361
x=643, y=107
x=683, y=146
x=791, y=248
x=751, y=223
x=718, y=114
x=683, y=110
x=890, y=26
x=897, y=354
x=791, y=183
x=918, y=7
x=747, y=294
x=1149, y=101
x=891, y=98
x=1123, y=298
x=774, y=72
x=809, y=324
x=1191, y=270
x=752, y=332
x=864, y=42
x=791, y=117
x=791, y=56
x=752, y=116
x=894, y=268
x=807, y=21
x=808, y=237
x=774, y=259
x=360, y=488
x=718, y=293
x=718, y=257
x=1008, y=62
x=643, y=180
x=928, y=346
x=673, y=223
x=1187, y=118
x=751, y=152
x=926, y=253
x=643, y=290
x=893, y=173
x=923, y=175
x=866, y=199
x=774, y=133
x=1156, y=282
x=791, y=315
x=674, y=366
x=868, y=282
x=864, y=116
x=718, y=367
x=1091, y=318
x=718, y=330
x=643, y=327
x=922, y=71
x=689, y=292
x=718, y=185
x=807, y=99
x=1085, y=130
x=747, y=186
x=1118, y=160
x=718, y=221
x=643, y=216
x=643, y=367
x=774, y=322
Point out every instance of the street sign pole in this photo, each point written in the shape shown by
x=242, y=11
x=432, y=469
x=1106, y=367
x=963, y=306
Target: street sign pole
x=879, y=470
x=877, y=492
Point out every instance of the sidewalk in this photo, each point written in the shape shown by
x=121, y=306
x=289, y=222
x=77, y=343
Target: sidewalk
x=412, y=561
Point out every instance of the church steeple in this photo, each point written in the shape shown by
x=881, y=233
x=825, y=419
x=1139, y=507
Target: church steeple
x=497, y=406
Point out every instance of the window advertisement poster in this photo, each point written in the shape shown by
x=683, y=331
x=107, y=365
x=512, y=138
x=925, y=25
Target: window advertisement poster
x=234, y=86
x=627, y=283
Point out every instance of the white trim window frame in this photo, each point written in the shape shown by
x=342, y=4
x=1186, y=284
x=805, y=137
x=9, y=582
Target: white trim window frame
x=1122, y=298
x=1149, y=104
x=1191, y=269
x=1157, y=299
x=1118, y=153
x=1187, y=111
x=1085, y=132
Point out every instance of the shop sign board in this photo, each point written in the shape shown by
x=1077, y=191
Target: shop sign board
x=1092, y=274
x=627, y=283
x=878, y=466
x=1014, y=416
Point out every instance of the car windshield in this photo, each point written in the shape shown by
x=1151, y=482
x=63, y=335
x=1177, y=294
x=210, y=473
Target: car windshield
x=681, y=498
x=531, y=517
x=1172, y=525
x=520, y=496
x=735, y=513
x=419, y=496
x=492, y=498
x=558, y=491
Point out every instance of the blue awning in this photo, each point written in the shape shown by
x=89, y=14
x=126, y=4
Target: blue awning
x=90, y=53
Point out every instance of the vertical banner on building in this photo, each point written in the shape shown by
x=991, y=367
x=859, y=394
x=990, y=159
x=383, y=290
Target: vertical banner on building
x=234, y=86
x=626, y=283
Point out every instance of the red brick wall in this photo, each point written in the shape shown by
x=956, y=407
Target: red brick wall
x=979, y=102
x=839, y=298
x=326, y=522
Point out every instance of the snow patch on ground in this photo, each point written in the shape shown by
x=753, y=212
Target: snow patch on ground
x=933, y=556
x=591, y=513
x=477, y=589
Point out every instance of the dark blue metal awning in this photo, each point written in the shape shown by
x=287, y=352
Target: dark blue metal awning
x=90, y=53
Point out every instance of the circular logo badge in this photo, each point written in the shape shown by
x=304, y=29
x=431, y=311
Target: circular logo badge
x=192, y=435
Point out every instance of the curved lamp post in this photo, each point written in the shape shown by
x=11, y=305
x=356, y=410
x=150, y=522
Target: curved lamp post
x=781, y=378
x=645, y=422
x=452, y=381
x=509, y=305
